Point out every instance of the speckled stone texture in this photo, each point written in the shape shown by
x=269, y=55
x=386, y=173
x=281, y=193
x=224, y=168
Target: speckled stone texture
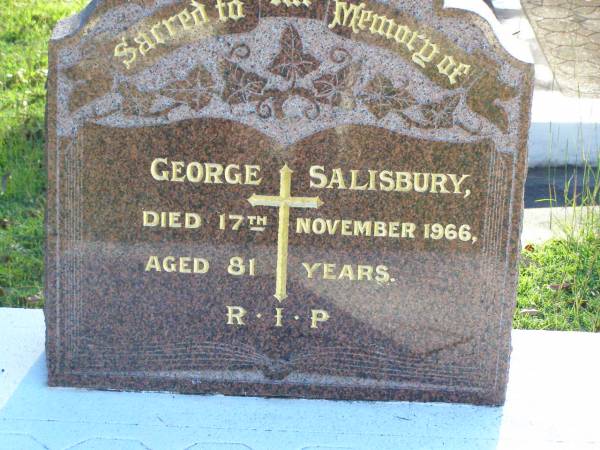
x=363, y=316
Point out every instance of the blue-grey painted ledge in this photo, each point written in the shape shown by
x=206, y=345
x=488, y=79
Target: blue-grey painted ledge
x=553, y=404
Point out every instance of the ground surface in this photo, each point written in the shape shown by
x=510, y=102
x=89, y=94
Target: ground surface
x=557, y=186
x=551, y=405
x=569, y=34
x=25, y=26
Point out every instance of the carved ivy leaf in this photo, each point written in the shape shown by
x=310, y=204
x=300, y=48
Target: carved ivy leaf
x=441, y=114
x=241, y=86
x=483, y=97
x=136, y=102
x=292, y=63
x=381, y=97
x=194, y=91
x=335, y=88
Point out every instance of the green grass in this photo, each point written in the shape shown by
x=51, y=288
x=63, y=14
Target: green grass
x=559, y=281
x=25, y=28
x=559, y=284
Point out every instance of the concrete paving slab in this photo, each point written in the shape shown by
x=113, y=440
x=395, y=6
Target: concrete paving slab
x=552, y=404
x=569, y=34
x=543, y=224
x=564, y=125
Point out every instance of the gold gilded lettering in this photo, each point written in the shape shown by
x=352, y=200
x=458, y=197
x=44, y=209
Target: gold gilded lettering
x=213, y=173
x=168, y=23
x=174, y=220
x=347, y=273
x=403, y=182
x=328, y=271
x=220, y=6
x=303, y=225
x=235, y=315
x=184, y=264
x=394, y=229
x=382, y=26
x=252, y=174
x=372, y=180
x=411, y=42
x=236, y=177
x=408, y=230
x=319, y=226
x=318, y=316
x=199, y=10
x=332, y=226
x=380, y=229
x=201, y=265
x=169, y=264
x=153, y=264
x=347, y=228
x=156, y=34
x=426, y=54
x=278, y=317
x=337, y=177
x=387, y=182
x=145, y=43
x=236, y=10
x=462, y=69
x=346, y=15
x=232, y=10
x=365, y=273
x=124, y=50
x=383, y=275
x=357, y=18
x=365, y=16
x=421, y=186
x=356, y=228
x=403, y=34
x=311, y=268
x=185, y=19
x=177, y=171
x=171, y=220
x=354, y=181
x=192, y=220
x=457, y=183
x=194, y=172
x=150, y=219
x=159, y=176
x=317, y=173
x=446, y=65
x=449, y=67
x=438, y=183
x=362, y=228
x=147, y=40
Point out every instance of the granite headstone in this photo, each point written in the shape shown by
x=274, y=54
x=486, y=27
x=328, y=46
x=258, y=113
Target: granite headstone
x=298, y=198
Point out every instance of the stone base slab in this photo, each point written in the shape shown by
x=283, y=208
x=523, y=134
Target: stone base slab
x=552, y=404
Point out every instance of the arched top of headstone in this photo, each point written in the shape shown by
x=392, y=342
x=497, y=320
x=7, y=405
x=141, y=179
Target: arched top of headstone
x=140, y=53
x=136, y=9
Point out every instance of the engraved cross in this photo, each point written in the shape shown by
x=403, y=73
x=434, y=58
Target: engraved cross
x=284, y=202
